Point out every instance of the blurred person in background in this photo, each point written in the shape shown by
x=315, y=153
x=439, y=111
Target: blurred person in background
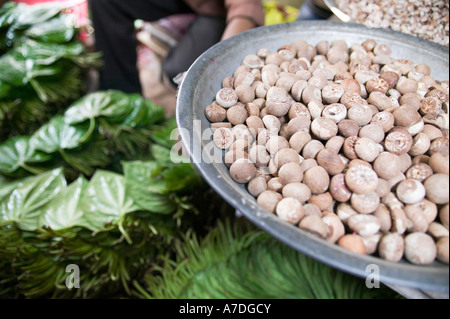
x=115, y=36
x=314, y=10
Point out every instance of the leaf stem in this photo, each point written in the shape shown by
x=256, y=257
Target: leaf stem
x=89, y=132
x=32, y=170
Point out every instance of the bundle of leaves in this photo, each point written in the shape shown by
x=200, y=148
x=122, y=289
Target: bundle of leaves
x=113, y=227
x=236, y=261
x=97, y=131
x=44, y=66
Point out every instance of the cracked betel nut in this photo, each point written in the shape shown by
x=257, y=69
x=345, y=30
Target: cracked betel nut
x=364, y=225
x=272, y=123
x=227, y=97
x=246, y=78
x=373, y=131
x=437, y=188
x=407, y=85
x=380, y=100
x=255, y=125
x=324, y=128
x=385, y=120
x=269, y=200
x=335, y=144
x=391, y=247
x=223, y=138
x=353, y=243
x=365, y=203
x=317, y=179
x=398, y=141
x=278, y=101
x=311, y=93
x=366, y=149
x=391, y=78
x=430, y=104
x=421, y=145
x=439, y=145
x=242, y=171
x=298, y=124
x=298, y=140
x=245, y=93
x=215, y=113
x=349, y=147
x=384, y=217
x=237, y=114
x=420, y=248
x=241, y=132
x=410, y=191
x=312, y=148
x=286, y=155
x=314, y=225
x=360, y=113
x=338, y=188
x=299, y=191
x=253, y=61
x=348, y=128
x=290, y=210
x=299, y=110
x=350, y=99
x=290, y=173
x=276, y=143
x=419, y=172
x=417, y=219
x=377, y=84
x=439, y=163
x=275, y=185
x=257, y=185
x=361, y=179
x=259, y=156
x=324, y=201
x=405, y=116
x=336, y=228
x=331, y=161
x=335, y=111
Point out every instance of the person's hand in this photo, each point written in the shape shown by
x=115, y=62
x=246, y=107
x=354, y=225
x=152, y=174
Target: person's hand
x=237, y=25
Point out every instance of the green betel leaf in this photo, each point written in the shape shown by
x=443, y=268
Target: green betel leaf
x=48, y=53
x=56, y=30
x=19, y=71
x=24, y=204
x=140, y=171
x=181, y=177
x=148, y=192
x=17, y=152
x=30, y=15
x=64, y=211
x=58, y=135
x=105, y=200
x=108, y=103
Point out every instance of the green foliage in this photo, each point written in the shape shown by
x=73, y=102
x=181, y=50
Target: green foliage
x=112, y=226
x=43, y=65
x=233, y=262
x=96, y=131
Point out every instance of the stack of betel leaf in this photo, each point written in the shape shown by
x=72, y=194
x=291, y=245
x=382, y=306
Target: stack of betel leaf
x=43, y=65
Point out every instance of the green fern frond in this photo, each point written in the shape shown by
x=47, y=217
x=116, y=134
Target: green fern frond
x=231, y=264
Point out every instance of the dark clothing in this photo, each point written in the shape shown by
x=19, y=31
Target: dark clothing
x=113, y=22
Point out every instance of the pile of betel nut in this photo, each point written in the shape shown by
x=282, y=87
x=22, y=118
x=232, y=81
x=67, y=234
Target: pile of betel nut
x=343, y=141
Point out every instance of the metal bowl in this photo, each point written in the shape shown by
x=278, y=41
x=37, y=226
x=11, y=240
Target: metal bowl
x=202, y=82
